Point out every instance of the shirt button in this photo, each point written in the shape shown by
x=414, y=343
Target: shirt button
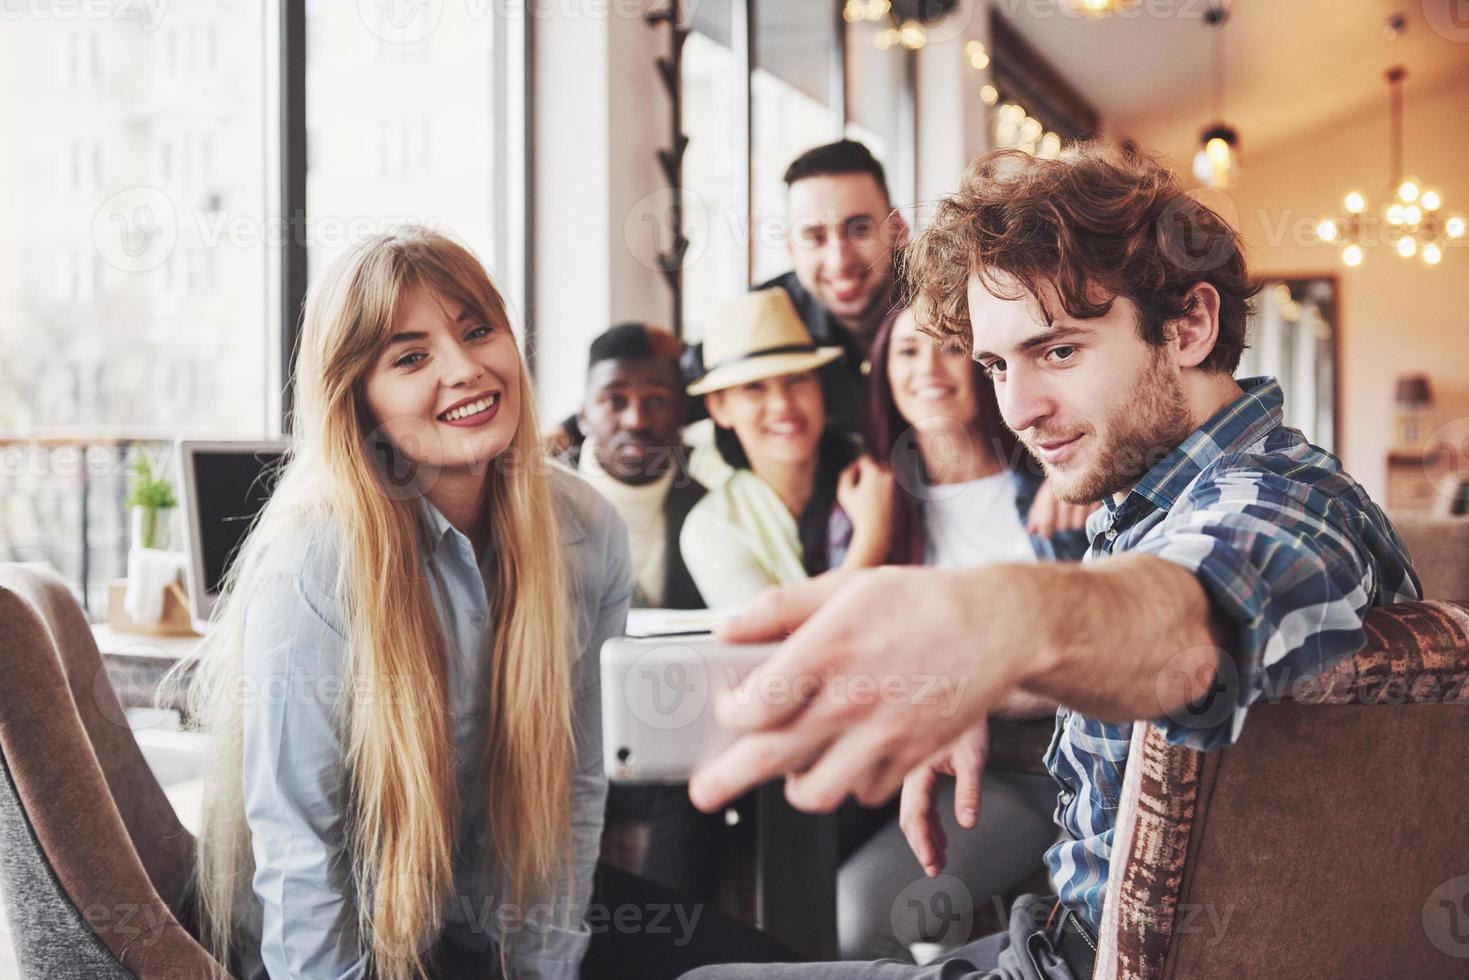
x=1111, y=534
x=478, y=619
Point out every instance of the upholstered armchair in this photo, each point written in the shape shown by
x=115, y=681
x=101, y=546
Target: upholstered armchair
x=1332, y=840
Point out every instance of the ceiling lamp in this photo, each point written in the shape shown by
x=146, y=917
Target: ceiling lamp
x=978, y=55
x=1412, y=220
x=1099, y=8
x=859, y=10
x=1217, y=164
x=908, y=21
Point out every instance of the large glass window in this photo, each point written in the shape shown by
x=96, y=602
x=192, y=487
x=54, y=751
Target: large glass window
x=714, y=213
x=795, y=105
x=400, y=122
x=143, y=252
x=880, y=104
x=132, y=269
x=133, y=260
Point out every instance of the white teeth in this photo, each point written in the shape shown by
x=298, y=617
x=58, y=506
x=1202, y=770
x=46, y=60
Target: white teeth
x=782, y=429
x=933, y=391
x=473, y=408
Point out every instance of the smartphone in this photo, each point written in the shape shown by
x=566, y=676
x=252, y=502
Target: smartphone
x=658, y=698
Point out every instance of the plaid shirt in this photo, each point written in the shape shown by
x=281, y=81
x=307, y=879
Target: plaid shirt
x=1288, y=547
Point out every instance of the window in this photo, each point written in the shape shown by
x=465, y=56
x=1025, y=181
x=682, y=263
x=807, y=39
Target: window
x=152, y=317
x=880, y=111
x=99, y=234
x=149, y=248
x=796, y=103
x=403, y=137
x=714, y=213
x=81, y=161
x=79, y=62
x=1292, y=334
x=808, y=78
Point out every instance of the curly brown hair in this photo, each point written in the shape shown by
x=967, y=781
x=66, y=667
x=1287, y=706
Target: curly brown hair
x=1097, y=223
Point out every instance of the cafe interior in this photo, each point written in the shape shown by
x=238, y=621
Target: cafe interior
x=185, y=176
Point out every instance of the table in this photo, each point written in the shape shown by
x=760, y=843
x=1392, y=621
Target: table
x=795, y=853
x=795, y=874
x=136, y=663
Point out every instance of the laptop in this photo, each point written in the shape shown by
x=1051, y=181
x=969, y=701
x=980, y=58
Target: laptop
x=225, y=485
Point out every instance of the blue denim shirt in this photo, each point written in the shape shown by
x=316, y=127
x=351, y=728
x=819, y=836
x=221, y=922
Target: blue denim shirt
x=1288, y=547
x=295, y=792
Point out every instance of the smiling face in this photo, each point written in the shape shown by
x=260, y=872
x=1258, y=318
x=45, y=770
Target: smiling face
x=932, y=380
x=1095, y=403
x=633, y=412
x=779, y=421
x=841, y=242
x=445, y=390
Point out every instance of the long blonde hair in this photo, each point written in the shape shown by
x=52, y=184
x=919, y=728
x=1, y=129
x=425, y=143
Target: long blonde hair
x=403, y=801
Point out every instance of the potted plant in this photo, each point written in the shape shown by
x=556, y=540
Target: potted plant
x=151, y=498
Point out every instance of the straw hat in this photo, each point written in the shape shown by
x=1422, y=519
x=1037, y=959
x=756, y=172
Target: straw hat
x=757, y=336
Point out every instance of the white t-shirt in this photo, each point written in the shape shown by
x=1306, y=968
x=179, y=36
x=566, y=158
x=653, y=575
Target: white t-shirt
x=641, y=509
x=974, y=523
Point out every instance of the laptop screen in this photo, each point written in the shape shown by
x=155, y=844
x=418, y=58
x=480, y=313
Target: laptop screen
x=227, y=487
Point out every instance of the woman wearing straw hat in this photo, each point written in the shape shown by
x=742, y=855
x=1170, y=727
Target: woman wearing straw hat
x=767, y=524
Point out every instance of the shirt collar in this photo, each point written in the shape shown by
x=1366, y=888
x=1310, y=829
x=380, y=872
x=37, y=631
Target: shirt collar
x=435, y=524
x=437, y=530
x=1241, y=423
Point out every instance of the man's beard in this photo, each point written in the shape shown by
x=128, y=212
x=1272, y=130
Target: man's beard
x=1141, y=430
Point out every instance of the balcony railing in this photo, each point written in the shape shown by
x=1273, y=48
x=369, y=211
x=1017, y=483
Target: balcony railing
x=63, y=501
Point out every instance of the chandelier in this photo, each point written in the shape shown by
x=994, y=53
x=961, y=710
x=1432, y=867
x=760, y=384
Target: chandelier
x=1411, y=221
x=907, y=20
x=1099, y=8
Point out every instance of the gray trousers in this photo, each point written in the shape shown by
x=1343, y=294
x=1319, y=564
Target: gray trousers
x=885, y=903
x=1002, y=956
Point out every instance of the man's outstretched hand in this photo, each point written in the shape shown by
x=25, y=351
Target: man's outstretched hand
x=882, y=668
x=918, y=816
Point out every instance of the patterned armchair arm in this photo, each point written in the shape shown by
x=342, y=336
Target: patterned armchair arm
x=1416, y=653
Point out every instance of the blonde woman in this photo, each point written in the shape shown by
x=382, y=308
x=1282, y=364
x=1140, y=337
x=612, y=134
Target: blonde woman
x=401, y=690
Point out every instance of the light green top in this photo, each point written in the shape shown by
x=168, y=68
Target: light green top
x=740, y=539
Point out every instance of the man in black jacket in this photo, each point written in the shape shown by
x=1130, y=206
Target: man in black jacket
x=634, y=456
x=843, y=238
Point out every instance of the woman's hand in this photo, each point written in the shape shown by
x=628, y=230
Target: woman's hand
x=866, y=490
x=918, y=817
x=1049, y=515
x=556, y=441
